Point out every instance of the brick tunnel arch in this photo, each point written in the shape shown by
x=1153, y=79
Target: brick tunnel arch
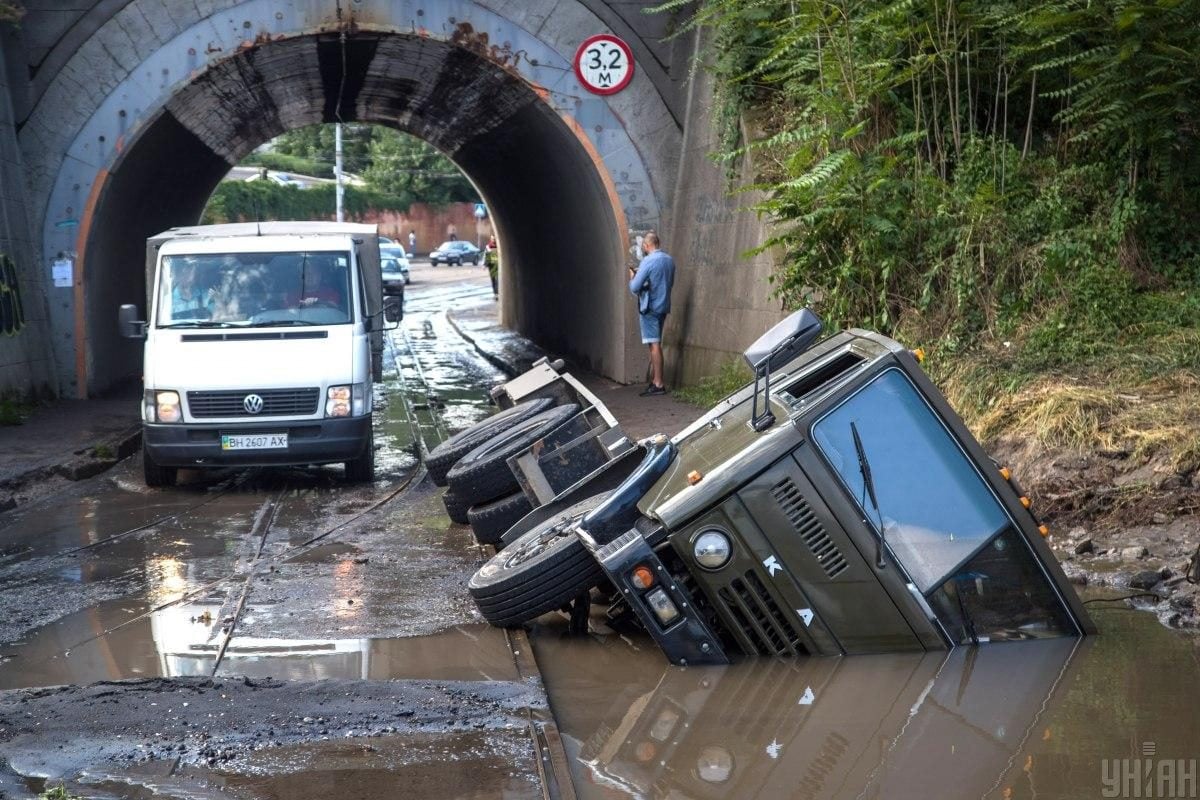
x=566, y=175
x=548, y=198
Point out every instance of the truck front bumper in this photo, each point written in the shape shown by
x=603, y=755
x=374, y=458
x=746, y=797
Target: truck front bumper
x=317, y=441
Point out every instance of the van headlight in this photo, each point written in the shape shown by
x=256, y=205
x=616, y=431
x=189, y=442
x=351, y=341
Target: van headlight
x=712, y=549
x=346, y=400
x=162, y=406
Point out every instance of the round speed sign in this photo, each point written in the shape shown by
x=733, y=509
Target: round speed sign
x=604, y=64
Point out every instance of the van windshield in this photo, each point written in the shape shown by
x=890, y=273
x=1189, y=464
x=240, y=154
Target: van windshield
x=935, y=508
x=254, y=289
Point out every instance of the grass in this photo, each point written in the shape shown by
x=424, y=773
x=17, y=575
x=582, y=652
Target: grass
x=13, y=412
x=732, y=375
x=58, y=793
x=103, y=452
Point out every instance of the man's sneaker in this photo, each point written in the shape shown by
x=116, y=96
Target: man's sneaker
x=652, y=390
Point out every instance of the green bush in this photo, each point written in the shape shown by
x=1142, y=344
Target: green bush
x=246, y=201
x=282, y=162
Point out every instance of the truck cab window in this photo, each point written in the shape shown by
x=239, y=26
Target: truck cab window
x=935, y=508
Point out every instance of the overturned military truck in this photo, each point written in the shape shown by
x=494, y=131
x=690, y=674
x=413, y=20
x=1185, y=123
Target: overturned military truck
x=834, y=505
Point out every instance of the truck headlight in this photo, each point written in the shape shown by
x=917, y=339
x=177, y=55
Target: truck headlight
x=714, y=764
x=712, y=549
x=346, y=400
x=662, y=607
x=166, y=407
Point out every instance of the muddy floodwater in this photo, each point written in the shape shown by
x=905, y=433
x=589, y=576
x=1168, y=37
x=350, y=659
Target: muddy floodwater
x=1039, y=719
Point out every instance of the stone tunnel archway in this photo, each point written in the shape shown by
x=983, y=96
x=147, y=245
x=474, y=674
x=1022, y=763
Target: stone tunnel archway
x=563, y=173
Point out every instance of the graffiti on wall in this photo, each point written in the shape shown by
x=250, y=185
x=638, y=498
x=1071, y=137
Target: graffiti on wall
x=12, y=313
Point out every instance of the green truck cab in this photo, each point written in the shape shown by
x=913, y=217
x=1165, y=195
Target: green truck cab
x=835, y=505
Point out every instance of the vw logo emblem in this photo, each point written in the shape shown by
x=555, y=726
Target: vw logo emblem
x=253, y=404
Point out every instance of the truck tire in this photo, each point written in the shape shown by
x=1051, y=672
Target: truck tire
x=542, y=570
x=362, y=469
x=491, y=520
x=155, y=474
x=456, y=507
x=483, y=475
x=445, y=455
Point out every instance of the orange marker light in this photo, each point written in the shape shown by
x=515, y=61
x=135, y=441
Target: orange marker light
x=642, y=577
x=919, y=355
x=1043, y=530
x=694, y=477
x=1025, y=501
x=1006, y=473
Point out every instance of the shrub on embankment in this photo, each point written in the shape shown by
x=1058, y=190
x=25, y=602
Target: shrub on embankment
x=1016, y=184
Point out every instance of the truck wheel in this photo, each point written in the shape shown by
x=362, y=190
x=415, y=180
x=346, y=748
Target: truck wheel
x=154, y=473
x=491, y=520
x=445, y=455
x=362, y=469
x=483, y=474
x=542, y=570
x=456, y=507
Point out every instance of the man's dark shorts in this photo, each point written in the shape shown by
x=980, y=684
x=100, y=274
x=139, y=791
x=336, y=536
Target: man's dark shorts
x=652, y=327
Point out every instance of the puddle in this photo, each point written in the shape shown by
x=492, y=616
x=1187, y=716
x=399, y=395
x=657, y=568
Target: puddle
x=1028, y=719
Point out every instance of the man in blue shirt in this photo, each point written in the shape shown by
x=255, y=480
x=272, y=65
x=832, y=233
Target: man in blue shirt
x=651, y=285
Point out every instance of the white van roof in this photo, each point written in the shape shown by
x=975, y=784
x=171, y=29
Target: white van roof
x=269, y=229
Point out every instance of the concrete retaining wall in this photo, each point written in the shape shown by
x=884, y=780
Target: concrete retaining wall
x=26, y=365
x=722, y=301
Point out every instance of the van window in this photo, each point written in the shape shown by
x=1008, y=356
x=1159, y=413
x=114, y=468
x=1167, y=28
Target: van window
x=254, y=289
x=936, y=510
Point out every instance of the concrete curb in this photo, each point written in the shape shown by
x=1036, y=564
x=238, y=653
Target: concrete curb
x=75, y=466
x=510, y=368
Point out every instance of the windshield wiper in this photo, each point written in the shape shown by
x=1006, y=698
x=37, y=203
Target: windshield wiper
x=275, y=323
x=199, y=323
x=864, y=468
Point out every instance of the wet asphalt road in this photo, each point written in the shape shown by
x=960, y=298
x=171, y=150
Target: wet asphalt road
x=279, y=634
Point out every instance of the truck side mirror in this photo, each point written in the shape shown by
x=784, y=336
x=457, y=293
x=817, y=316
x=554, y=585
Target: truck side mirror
x=127, y=321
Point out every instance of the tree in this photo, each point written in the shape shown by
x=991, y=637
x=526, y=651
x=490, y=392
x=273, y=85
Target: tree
x=404, y=166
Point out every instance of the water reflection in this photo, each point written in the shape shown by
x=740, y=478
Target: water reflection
x=850, y=727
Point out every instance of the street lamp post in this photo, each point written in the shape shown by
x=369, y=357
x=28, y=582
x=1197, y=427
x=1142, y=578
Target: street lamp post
x=337, y=171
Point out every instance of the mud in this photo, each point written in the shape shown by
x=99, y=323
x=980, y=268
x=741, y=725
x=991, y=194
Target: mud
x=1119, y=522
x=117, y=735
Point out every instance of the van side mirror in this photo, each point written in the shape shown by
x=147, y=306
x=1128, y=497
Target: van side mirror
x=393, y=311
x=127, y=321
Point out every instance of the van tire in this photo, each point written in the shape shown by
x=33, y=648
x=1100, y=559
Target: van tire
x=155, y=474
x=441, y=458
x=362, y=469
x=483, y=475
x=542, y=570
x=491, y=520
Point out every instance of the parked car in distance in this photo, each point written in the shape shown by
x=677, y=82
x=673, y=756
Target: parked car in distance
x=394, y=276
x=395, y=252
x=456, y=252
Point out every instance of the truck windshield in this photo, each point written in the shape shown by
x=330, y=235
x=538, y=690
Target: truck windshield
x=935, y=508
x=249, y=289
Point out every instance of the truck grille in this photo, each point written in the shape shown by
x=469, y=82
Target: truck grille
x=801, y=515
x=759, y=617
x=276, y=403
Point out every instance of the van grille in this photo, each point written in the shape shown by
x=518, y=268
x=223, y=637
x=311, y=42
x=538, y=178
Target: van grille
x=276, y=403
x=759, y=617
x=801, y=515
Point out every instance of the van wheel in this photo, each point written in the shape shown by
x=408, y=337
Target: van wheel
x=445, y=455
x=155, y=474
x=542, y=570
x=491, y=520
x=483, y=475
x=362, y=469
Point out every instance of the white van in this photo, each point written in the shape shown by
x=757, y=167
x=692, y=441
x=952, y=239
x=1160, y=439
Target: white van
x=261, y=345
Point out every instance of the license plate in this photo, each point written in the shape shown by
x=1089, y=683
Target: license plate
x=255, y=441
